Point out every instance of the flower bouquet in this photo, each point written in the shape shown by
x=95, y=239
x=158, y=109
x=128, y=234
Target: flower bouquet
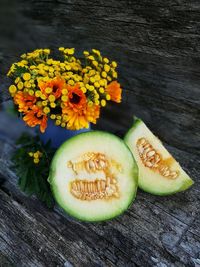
x=70, y=90
x=67, y=91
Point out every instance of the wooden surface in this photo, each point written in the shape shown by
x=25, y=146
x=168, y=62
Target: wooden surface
x=157, y=46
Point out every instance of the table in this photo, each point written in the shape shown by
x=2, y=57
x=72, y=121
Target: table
x=157, y=47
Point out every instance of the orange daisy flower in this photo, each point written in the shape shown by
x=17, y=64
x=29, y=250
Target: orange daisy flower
x=78, y=112
x=114, y=90
x=24, y=101
x=36, y=117
x=56, y=84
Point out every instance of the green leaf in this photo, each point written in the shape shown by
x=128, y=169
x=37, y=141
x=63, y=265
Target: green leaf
x=33, y=177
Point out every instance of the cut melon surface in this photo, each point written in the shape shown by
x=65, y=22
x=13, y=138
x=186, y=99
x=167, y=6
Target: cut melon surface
x=159, y=172
x=94, y=176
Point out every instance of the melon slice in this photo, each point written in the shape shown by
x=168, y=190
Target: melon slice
x=159, y=172
x=94, y=176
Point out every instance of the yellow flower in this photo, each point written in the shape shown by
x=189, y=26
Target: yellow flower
x=31, y=92
x=48, y=90
x=46, y=110
x=69, y=51
x=106, y=68
x=91, y=58
x=95, y=63
x=106, y=60
x=61, y=49
x=64, y=91
x=71, y=82
x=44, y=103
x=47, y=51
x=12, y=89
x=103, y=102
x=26, y=76
x=53, y=105
x=17, y=80
x=20, y=85
x=114, y=64
x=96, y=84
x=51, y=98
x=36, y=161
x=58, y=122
x=85, y=53
x=38, y=93
x=108, y=97
x=101, y=90
x=104, y=74
x=64, y=98
x=53, y=116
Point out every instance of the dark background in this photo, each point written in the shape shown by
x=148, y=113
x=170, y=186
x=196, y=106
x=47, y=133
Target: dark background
x=157, y=46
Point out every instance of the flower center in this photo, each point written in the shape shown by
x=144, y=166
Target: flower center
x=75, y=98
x=55, y=87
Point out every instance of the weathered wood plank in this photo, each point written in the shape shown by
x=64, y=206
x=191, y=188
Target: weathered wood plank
x=156, y=45
x=151, y=231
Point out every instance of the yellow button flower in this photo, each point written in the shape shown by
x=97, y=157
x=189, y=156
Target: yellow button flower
x=36, y=161
x=92, y=79
x=58, y=122
x=17, y=80
x=114, y=64
x=108, y=97
x=103, y=102
x=48, y=90
x=44, y=103
x=63, y=124
x=53, y=116
x=106, y=68
x=64, y=98
x=96, y=84
x=46, y=110
x=106, y=60
x=51, y=98
x=53, y=105
x=26, y=76
x=61, y=49
x=104, y=74
x=20, y=85
x=85, y=53
x=31, y=92
x=101, y=90
x=71, y=82
x=12, y=89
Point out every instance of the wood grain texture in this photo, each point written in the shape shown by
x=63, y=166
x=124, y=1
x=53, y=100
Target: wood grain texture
x=155, y=231
x=157, y=46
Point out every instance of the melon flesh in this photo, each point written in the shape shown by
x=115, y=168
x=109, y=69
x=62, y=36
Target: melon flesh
x=159, y=172
x=93, y=176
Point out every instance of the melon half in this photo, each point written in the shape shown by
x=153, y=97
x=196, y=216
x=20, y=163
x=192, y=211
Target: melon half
x=94, y=176
x=159, y=172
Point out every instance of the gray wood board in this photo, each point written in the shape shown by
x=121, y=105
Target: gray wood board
x=155, y=231
x=157, y=46
x=156, y=43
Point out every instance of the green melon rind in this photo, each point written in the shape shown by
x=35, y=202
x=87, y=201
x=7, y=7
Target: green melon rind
x=187, y=182
x=57, y=197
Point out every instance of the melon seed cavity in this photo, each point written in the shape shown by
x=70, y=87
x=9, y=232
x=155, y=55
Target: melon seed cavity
x=153, y=160
x=93, y=163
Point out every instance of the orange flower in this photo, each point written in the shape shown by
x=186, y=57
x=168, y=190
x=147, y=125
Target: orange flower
x=24, y=101
x=77, y=98
x=78, y=112
x=36, y=117
x=56, y=84
x=114, y=90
